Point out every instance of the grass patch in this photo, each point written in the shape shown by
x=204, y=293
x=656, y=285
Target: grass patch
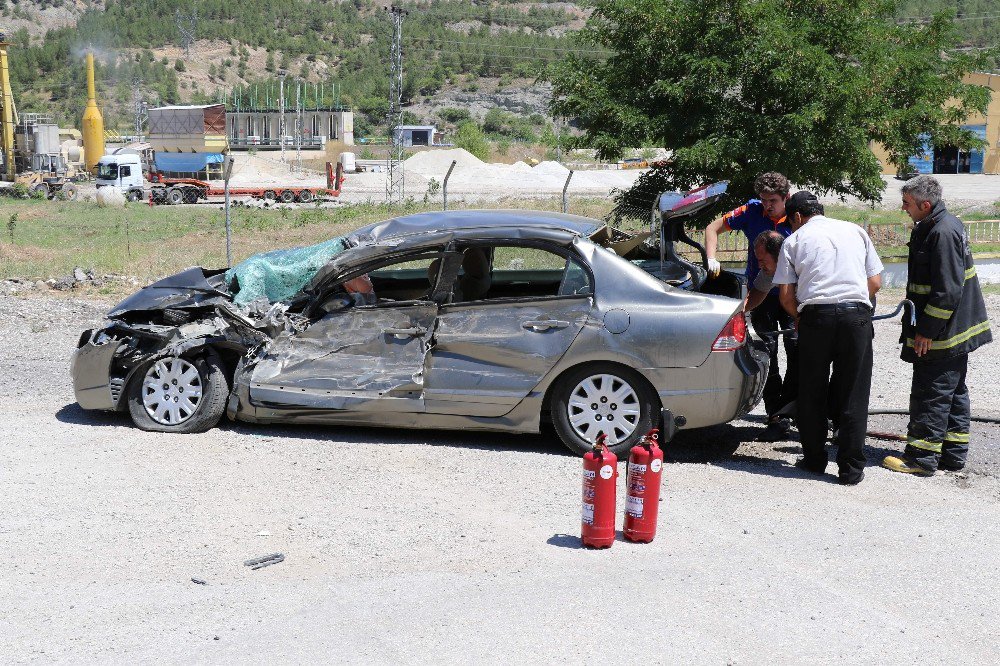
x=50, y=239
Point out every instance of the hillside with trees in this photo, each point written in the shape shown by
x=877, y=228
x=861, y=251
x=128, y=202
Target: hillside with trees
x=333, y=52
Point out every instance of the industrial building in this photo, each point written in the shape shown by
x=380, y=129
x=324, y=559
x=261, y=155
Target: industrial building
x=188, y=139
x=261, y=129
x=418, y=135
x=949, y=159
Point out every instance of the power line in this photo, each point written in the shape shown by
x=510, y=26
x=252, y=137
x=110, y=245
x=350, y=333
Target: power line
x=484, y=54
x=927, y=19
x=523, y=48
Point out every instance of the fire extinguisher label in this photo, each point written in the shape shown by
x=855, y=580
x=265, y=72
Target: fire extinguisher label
x=633, y=505
x=637, y=469
x=656, y=465
x=589, y=474
x=588, y=514
x=606, y=472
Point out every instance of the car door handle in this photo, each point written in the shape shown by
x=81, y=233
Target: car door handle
x=543, y=324
x=402, y=333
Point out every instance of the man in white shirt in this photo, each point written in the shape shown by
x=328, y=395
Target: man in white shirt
x=829, y=272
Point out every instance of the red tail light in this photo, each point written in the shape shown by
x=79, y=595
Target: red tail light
x=733, y=336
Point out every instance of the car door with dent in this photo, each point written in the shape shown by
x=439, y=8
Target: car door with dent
x=489, y=353
x=366, y=353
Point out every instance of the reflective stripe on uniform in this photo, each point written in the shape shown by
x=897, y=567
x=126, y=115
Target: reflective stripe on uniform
x=960, y=437
x=938, y=312
x=926, y=288
x=957, y=339
x=934, y=447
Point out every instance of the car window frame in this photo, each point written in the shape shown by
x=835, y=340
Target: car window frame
x=568, y=253
x=329, y=287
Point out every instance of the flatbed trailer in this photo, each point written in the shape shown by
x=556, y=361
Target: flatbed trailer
x=174, y=191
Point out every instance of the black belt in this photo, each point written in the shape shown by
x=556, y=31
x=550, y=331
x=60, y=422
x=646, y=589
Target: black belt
x=837, y=307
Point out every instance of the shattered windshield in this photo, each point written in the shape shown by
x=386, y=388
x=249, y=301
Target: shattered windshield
x=281, y=274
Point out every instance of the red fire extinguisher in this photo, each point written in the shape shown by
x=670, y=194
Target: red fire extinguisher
x=642, y=499
x=600, y=483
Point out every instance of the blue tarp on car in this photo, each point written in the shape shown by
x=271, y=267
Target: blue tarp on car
x=186, y=162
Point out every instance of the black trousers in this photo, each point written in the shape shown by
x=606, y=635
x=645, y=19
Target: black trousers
x=768, y=317
x=938, y=433
x=839, y=336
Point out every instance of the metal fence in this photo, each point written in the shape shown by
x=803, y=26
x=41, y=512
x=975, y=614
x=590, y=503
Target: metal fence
x=733, y=245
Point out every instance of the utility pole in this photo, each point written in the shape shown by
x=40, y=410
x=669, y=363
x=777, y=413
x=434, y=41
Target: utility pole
x=281, y=119
x=298, y=126
x=394, y=186
x=188, y=27
x=139, y=106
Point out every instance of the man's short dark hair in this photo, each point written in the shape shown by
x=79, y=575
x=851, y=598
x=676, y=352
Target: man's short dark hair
x=805, y=203
x=771, y=182
x=771, y=242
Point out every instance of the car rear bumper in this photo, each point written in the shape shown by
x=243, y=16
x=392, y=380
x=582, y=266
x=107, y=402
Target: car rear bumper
x=726, y=386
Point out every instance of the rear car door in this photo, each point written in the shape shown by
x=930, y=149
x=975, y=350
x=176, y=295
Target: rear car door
x=364, y=352
x=489, y=353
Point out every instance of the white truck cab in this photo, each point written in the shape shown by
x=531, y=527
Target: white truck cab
x=122, y=172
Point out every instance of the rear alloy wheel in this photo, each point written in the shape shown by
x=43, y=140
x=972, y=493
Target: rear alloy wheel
x=178, y=395
x=603, y=398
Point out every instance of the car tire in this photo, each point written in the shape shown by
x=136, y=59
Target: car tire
x=150, y=414
x=287, y=196
x=133, y=196
x=175, y=196
x=597, y=384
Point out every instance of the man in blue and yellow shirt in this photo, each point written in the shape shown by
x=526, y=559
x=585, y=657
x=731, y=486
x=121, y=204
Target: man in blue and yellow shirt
x=766, y=213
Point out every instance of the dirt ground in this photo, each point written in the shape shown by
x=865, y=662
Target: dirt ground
x=454, y=547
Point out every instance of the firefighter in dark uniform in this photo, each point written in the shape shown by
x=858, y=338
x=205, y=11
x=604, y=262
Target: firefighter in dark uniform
x=951, y=322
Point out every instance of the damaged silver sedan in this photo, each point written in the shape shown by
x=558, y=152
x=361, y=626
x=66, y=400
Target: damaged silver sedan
x=474, y=320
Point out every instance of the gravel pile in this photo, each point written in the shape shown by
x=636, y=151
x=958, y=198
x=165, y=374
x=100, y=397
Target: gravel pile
x=127, y=546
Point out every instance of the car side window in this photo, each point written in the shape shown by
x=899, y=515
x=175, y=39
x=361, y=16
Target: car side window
x=512, y=271
x=405, y=279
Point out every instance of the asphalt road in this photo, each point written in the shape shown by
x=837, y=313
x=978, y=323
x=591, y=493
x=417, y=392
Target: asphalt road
x=463, y=547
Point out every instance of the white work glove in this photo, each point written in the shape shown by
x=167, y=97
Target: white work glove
x=714, y=267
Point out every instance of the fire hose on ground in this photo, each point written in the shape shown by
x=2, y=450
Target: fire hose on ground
x=908, y=304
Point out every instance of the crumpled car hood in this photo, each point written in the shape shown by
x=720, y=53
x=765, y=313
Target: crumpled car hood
x=192, y=287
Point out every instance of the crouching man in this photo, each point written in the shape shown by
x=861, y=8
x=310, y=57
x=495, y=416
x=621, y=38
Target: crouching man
x=951, y=322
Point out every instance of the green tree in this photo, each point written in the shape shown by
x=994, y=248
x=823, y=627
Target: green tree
x=738, y=87
x=472, y=139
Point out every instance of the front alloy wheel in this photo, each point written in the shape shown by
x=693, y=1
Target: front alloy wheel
x=171, y=391
x=179, y=394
